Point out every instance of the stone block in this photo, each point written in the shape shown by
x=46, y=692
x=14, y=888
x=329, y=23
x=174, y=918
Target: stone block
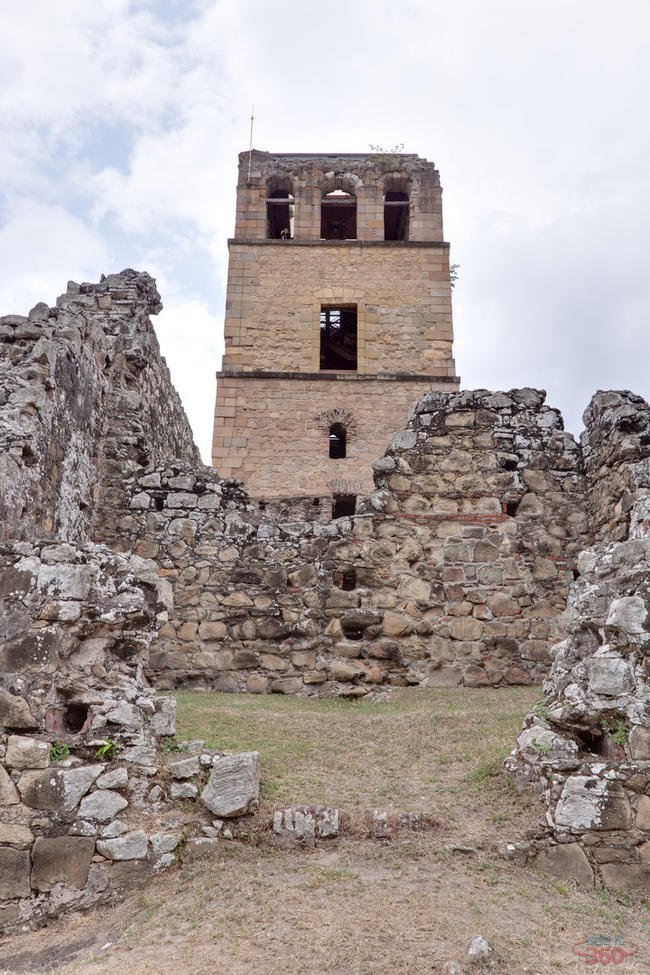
x=587, y=802
x=57, y=790
x=131, y=846
x=183, y=790
x=502, y=604
x=102, y=805
x=516, y=675
x=8, y=792
x=566, y=861
x=628, y=614
x=286, y=685
x=15, y=834
x=396, y=624
x=15, y=712
x=15, y=866
x=626, y=876
x=466, y=628
x=212, y=630
x=344, y=670
x=642, y=819
x=163, y=720
x=185, y=768
x=164, y=842
x=258, y=684
x=61, y=859
x=640, y=743
x=234, y=784
x=609, y=674
x=304, y=576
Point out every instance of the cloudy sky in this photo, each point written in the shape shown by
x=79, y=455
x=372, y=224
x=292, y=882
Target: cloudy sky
x=122, y=119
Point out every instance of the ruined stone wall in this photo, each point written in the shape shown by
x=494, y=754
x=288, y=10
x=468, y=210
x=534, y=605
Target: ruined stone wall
x=616, y=450
x=85, y=806
x=586, y=748
x=83, y=390
x=455, y=570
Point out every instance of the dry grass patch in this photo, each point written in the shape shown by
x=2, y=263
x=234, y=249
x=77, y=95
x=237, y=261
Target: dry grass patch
x=434, y=750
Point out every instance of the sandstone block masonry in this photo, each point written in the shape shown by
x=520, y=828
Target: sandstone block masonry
x=341, y=316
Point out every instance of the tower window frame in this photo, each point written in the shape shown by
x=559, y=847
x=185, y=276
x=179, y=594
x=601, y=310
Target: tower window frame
x=396, y=215
x=280, y=210
x=338, y=215
x=339, y=338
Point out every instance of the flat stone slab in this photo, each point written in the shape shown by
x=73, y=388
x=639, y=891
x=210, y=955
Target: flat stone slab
x=61, y=859
x=14, y=873
x=131, y=846
x=102, y=805
x=234, y=784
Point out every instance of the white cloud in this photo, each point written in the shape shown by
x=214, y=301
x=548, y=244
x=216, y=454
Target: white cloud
x=42, y=247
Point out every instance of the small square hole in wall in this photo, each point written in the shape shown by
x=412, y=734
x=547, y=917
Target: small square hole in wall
x=75, y=717
x=349, y=579
x=344, y=505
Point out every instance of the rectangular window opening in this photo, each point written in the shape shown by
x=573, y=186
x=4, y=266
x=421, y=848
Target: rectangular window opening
x=338, y=338
x=344, y=505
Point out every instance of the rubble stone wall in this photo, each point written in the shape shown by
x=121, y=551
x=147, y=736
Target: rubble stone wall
x=455, y=570
x=83, y=394
x=586, y=748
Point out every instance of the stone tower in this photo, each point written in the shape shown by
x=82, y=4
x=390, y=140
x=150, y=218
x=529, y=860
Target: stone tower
x=338, y=318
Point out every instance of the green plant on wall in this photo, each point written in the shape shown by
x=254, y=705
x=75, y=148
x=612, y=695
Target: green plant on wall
x=618, y=732
x=107, y=750
x=59, y=751
x=386, y=157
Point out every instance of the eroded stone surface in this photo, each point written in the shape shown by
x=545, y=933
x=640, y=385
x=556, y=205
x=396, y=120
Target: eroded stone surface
x=61, y=859
x=234, y=784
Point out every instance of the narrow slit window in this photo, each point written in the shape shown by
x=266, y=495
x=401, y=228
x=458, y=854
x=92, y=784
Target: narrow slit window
x=349, y=580
x=338, y=441
x=338, y=216
x=279, y=215
x=344, y=505
x=396, y=216
x=338, y=338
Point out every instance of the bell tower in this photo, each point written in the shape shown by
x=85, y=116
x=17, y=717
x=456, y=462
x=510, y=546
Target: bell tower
x=338, y=318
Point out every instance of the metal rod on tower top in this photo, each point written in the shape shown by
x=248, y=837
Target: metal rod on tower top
x=250, y=145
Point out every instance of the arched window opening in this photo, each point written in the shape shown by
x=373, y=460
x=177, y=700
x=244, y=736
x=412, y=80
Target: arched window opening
x=75, y=717
x=279, y=214
x=338, y=441
x=338, y=216
x=396, y=215
x=338, y=337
